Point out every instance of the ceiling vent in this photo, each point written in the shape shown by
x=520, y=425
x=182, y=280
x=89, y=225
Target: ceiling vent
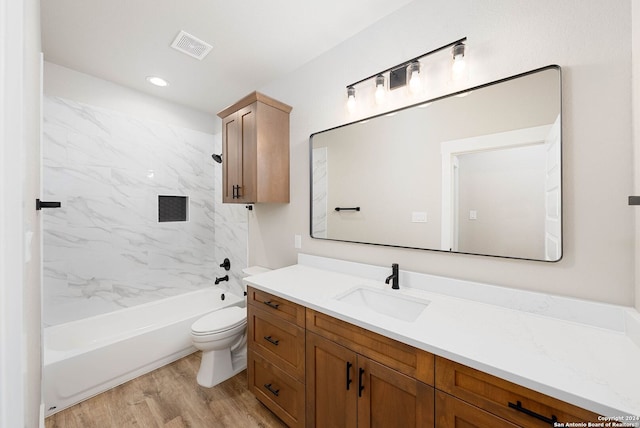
x=186, y=43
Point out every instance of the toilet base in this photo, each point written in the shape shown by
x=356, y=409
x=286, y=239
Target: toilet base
x=218, y=366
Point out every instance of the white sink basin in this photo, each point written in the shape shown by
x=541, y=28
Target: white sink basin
x=389, y=303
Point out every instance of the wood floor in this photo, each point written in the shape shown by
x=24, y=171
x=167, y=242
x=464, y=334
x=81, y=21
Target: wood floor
x=170, y=398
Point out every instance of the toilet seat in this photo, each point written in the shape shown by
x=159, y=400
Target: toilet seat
x=220, y=321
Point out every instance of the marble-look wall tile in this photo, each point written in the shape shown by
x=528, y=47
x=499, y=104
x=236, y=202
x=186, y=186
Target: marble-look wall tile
x=104, y=249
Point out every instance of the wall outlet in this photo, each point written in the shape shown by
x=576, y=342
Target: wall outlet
x=418, y=217
x=297, y=241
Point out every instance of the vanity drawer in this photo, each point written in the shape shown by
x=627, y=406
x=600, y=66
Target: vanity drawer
x=406, y=359
x=282, y=308
x=515, y=403
x=281, y=393
x=454, y=413
x=279, y=341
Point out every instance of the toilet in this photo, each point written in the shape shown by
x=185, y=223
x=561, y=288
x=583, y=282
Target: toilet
x=222, y=338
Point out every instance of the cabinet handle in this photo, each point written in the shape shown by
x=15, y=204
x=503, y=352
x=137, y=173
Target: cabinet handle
x=360, y=384
x=236, y=192
x=518, y=407
x=271, y=340
x=275, y=392
x=272, y=305
x=349, y=365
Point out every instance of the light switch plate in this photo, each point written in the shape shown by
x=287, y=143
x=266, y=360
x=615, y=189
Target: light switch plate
x=418, y=217
x=473, y=215
x=297, y=241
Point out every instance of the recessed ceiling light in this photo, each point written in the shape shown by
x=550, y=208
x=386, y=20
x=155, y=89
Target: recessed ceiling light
x=158, y=81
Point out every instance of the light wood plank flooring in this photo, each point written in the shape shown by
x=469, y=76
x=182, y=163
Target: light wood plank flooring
x=170, y=398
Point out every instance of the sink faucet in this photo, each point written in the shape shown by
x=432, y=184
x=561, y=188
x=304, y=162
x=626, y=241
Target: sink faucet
x=394, y=277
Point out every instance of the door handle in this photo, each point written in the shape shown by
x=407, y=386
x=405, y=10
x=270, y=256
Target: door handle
x=360, y=383
x=275, y=392
x=349, y=365
x=42, y=204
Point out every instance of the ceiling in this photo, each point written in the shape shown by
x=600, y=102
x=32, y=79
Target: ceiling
x=254, y=41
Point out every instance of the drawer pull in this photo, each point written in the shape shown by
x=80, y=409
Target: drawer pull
x=275, y=392
x=360, y=383
x=271, y=340
x=533, y=414
x=349, y=365
x=271, y=305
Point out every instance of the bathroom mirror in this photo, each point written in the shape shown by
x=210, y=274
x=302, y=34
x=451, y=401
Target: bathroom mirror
x=475, y=172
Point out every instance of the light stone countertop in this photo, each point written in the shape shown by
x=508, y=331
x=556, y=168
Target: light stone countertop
x=590, y=366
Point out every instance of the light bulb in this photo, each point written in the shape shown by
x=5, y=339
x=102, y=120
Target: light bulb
x=458, y=59
x=380, y=91
x=415, y=82
x=351, y=98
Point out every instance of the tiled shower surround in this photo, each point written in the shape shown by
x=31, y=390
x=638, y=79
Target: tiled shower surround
x=104, y=249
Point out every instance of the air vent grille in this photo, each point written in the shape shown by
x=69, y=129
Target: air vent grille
x=190, y=45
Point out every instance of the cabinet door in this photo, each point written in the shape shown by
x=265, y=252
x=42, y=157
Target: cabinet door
x=389, y=398
x=239, y=148
x=332, y=384
x=231, y=157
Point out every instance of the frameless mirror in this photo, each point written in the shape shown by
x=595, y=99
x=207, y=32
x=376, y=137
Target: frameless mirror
x=476, y=172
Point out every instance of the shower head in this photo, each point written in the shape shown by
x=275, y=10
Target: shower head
x=217, y=158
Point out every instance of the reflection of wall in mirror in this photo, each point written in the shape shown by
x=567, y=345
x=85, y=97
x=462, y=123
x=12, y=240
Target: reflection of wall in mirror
x=319, y=201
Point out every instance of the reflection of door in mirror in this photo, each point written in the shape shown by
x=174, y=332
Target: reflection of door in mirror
x=496, y=200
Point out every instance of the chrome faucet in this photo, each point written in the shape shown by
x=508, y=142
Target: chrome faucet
x=394, y=277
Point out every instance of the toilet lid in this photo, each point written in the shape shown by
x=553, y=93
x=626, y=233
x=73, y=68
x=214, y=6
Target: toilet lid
x=220, y=320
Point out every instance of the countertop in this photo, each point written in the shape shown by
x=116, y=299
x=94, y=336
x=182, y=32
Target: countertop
x=590, y=366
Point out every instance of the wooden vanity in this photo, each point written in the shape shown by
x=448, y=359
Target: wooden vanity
x=314, y=370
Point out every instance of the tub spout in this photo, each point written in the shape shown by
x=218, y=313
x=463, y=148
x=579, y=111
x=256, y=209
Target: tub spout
x=224, y=278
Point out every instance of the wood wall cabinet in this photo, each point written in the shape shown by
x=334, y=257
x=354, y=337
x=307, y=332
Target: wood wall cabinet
x=347, y=387
x=255, y=150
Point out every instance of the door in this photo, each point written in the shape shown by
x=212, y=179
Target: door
x=332, y=384
x=391, y=399
x=20, y=230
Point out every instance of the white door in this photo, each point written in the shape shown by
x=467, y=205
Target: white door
x=553, y=189
x=20, y=265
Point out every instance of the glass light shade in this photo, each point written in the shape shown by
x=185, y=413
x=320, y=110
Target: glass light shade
x=380, y=90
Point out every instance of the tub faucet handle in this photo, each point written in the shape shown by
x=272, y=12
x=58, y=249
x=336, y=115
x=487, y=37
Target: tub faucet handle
x=226, y=264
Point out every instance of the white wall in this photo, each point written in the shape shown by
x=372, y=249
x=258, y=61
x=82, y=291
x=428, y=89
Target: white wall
x=64, y=82
x=590, y=40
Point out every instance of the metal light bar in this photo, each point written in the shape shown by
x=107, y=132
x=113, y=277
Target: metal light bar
x=406, y=63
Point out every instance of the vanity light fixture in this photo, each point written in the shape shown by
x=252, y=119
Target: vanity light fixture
x=157, y=81
x=413, y=74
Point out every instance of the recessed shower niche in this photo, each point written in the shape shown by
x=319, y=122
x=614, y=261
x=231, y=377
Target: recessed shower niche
x=173, y=208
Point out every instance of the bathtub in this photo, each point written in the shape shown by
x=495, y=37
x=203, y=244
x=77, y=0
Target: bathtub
x=89, y=356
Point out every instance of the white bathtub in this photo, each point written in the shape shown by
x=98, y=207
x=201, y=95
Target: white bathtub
x=86, y=357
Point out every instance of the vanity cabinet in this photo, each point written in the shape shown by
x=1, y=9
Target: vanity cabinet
x=255, y=150
x=357, y=378
x=315, y=370
x=275, y=355
x=469, y=397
